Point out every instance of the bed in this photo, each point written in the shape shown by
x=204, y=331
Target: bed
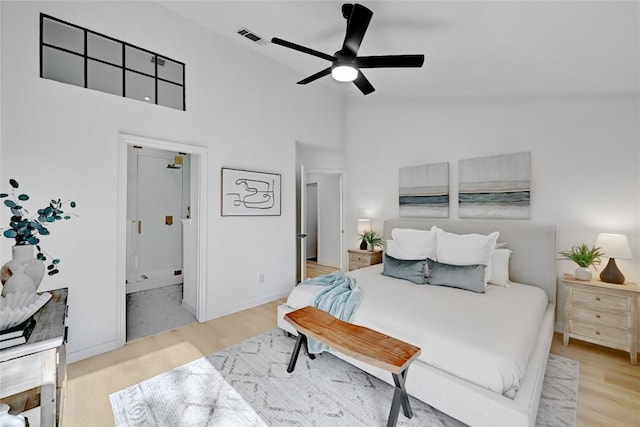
x=484, y=354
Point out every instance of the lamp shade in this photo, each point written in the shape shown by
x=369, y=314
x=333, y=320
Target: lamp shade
x=614, y=245
x=364, y=224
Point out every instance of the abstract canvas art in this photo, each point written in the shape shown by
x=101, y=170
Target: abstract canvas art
x=424, y=191
x=247, y=193
x=495, y=187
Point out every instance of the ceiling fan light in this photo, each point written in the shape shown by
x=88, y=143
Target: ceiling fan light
x=344, y=73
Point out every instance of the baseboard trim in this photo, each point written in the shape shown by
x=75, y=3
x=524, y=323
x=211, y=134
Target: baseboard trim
x=246, y=305
x=191, y=309
x=85, y=353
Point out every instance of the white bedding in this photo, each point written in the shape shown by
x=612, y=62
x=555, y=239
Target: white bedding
x=485, y=338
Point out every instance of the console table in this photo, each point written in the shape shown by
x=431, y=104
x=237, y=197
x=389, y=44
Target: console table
x=41, y=361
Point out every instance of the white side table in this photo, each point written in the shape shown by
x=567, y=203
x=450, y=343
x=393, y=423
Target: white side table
x=41, y=361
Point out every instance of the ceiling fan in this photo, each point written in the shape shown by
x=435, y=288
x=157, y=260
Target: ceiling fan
x=346, y=65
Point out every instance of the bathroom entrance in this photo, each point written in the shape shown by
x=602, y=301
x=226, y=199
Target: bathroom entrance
x=158, y=216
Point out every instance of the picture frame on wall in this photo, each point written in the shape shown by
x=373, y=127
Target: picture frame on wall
x=424, y=191
x=495, y=187
x=250, y=193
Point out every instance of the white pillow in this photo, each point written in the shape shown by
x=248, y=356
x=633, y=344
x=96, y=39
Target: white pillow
x=500, y=267
x=466, y=249
x=392, y=249
x=413, y=244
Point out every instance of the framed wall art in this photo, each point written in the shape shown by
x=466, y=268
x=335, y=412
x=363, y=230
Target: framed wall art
x=495, y=187
x=249, y=193
x=424, y=191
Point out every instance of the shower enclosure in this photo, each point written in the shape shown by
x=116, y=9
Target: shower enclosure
x=157, y=201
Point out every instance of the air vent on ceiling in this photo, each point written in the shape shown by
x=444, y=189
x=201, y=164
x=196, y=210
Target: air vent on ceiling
x=252, y=36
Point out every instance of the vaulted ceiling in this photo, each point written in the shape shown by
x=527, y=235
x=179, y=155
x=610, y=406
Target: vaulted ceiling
x=473, y=49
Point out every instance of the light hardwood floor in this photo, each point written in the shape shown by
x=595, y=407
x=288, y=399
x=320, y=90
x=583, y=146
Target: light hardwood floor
x=90, y=381
x=609, y=390
x=314, y=269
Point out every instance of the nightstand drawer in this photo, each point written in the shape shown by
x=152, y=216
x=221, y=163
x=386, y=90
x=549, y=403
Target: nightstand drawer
x=600, y=301
x=587, y=330
x=613, y=319
x=360, y=258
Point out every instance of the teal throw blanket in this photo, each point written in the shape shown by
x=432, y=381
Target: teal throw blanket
x=341, y=298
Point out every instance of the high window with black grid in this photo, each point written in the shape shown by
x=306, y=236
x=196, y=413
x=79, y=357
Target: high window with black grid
x=78, y=56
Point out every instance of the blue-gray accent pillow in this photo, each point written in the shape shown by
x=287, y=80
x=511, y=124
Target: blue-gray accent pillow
x=467, y=277
x=412, y=270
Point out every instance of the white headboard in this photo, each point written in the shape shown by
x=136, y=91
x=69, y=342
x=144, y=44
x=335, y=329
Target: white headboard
x=534, y=246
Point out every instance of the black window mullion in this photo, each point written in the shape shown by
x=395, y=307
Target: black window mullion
x=184, y=90
x=86, y=61
x=124, y=72
x=155, y=78
x=51, y=46
x=41, y=41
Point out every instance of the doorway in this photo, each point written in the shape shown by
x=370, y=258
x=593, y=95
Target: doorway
x=320, y=221
x=158, y=204
x=161, y=216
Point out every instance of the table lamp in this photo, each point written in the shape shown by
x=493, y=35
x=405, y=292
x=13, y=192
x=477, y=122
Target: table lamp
x=613, y=246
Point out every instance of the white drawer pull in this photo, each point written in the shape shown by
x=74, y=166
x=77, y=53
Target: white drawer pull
x=597, y=298
x=597, y=316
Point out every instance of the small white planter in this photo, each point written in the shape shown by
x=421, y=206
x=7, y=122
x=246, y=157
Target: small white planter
x=583, y=273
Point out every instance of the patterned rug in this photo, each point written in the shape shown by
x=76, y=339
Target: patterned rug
x=248, y=385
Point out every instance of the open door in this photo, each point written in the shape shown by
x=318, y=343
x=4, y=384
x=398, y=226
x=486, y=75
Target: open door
x=302, y=225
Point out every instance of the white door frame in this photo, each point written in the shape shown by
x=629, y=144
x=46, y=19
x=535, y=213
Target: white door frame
x=342, y=177
x=302, y=233
x=199, y=168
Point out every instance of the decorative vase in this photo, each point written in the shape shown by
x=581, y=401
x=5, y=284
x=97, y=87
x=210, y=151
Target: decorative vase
x=8, y=420
x=583, y=273
x=23, y=273
x=363, y=245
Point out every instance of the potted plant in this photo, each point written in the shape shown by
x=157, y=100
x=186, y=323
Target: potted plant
x=24, y=270
x=372, y=239
x=585, y=257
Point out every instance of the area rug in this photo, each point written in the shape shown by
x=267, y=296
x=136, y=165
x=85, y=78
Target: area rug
x=248, y=385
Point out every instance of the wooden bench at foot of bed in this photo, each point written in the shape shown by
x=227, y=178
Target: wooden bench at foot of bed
x=363, y=344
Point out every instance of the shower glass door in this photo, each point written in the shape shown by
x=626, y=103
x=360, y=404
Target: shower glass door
x=154, y=247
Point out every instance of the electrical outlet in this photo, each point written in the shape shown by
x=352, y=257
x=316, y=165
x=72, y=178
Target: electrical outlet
x=261, y=278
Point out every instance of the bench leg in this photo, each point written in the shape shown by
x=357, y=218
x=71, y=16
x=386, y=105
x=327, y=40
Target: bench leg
x=302, y=339
x=296, y=350
x=400, y=397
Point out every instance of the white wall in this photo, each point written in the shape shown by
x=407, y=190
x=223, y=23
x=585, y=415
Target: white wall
x=584, y=155
x=58, y=139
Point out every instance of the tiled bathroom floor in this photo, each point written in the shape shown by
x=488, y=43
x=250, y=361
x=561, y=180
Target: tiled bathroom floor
x=156, y=310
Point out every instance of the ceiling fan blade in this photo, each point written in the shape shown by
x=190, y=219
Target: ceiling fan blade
x=357, y=24
x=363, y=84
x=302, y=49
x=316, y=76
x=390, y=61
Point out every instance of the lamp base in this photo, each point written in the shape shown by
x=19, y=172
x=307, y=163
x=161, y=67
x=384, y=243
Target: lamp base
x=363, y=245
x=611, y=273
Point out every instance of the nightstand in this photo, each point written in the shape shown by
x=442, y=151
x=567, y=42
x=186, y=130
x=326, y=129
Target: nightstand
x=602, y=313
x=359, y=258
